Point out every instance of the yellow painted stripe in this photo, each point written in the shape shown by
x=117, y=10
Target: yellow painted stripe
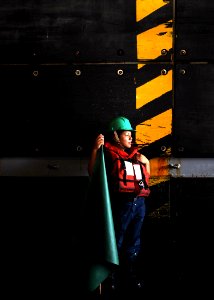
x=155, y=128
x=151, y=42
x=139, y=66
x=158, y=179
x=153, y=89
x=149, y=46
x=146, y=7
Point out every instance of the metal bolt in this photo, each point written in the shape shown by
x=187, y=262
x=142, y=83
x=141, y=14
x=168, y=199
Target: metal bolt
x=182, y=71
x=164, y=52
x=120, y=72
x=163, y=148
x=78, y=72
x=174, y=166
x=183, y=52
x=35, y=73
x=181, y=149
x=77, y=53
x=164, y=72
x=79, y=148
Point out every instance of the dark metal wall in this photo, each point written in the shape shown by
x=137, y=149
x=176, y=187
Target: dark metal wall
x=58, y=110
x=51, y=83
x=66, y=68
x=193, y=131
x=194, y=30
x=60, y=73
x=67, y=31
x=193, y=125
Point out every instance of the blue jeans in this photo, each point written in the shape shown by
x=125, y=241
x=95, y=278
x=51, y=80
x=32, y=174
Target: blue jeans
x=128, y=213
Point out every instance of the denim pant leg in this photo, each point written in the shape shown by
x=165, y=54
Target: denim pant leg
x=128, y=225
x=134, y=237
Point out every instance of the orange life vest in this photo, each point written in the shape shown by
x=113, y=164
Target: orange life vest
x=127, y=174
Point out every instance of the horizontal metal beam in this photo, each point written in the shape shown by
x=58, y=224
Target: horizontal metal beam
x=43, y=167
x=191, y=167
x=161, y=167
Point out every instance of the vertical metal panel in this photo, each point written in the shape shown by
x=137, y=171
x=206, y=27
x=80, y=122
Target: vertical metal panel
x=67, y=31
x=193, y=111
x=58, y=111
x=194, y=30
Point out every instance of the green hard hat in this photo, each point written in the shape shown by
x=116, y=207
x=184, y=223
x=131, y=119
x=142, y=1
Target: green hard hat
x=120, y=123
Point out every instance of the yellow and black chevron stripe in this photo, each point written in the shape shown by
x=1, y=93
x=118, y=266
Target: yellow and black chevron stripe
x=154, y=76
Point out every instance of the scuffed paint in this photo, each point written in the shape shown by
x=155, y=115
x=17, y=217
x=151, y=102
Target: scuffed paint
x=151, y=42
x=154, y=129
x=153, y=89
x=154, y=180
x=159, y=167
x=146, y=7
